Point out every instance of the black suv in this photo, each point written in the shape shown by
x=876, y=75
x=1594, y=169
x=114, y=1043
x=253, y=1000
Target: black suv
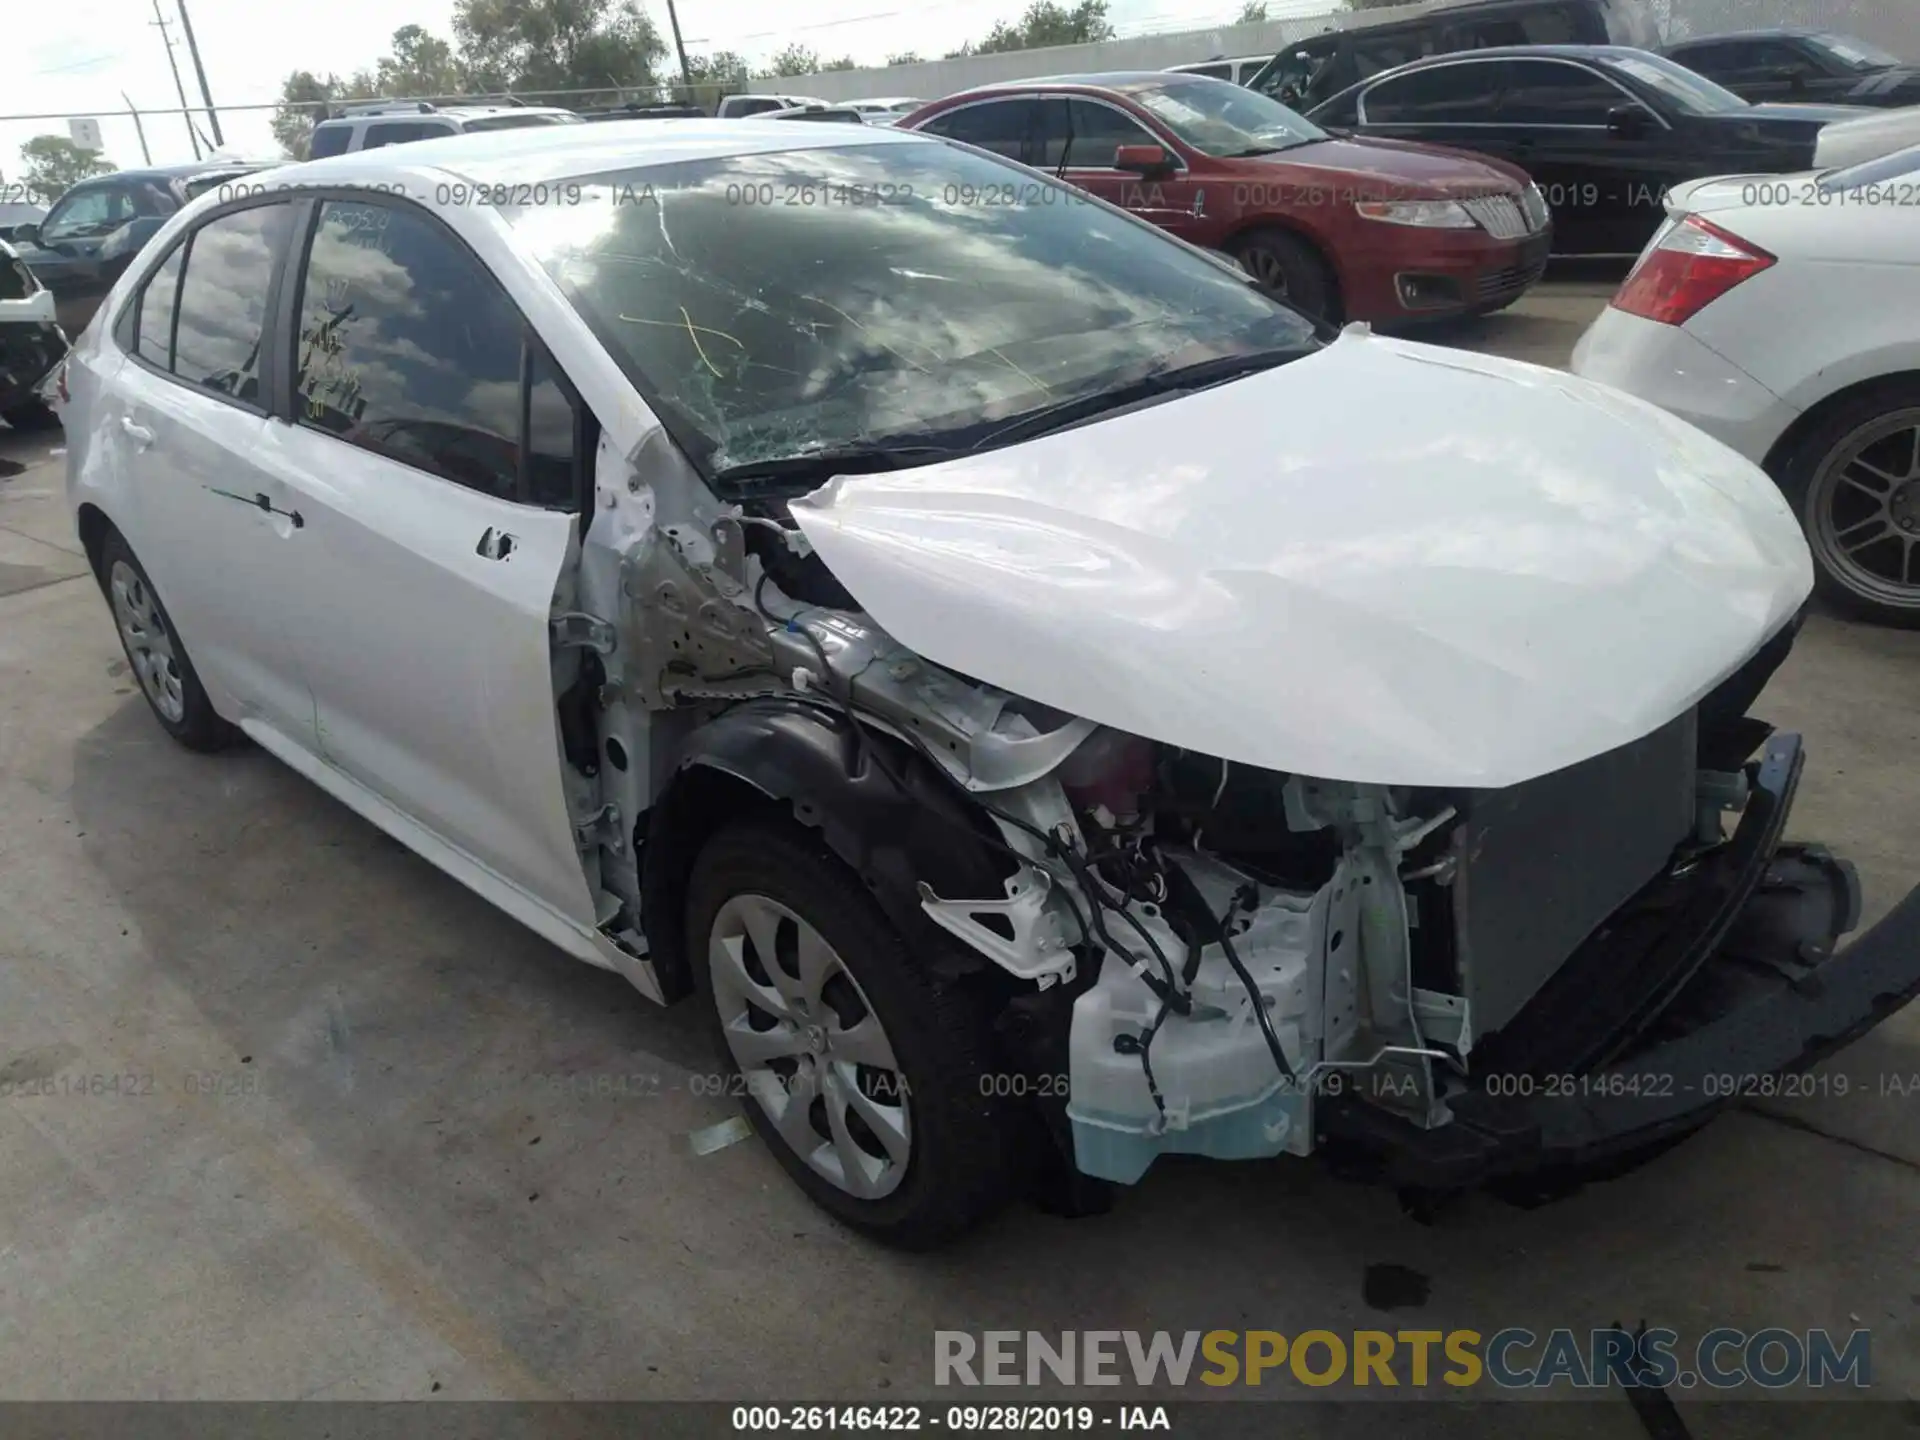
x=94, y=230
x=1313, y=71
x=1795, y=65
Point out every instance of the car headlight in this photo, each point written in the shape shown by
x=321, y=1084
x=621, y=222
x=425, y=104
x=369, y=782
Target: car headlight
x=1534, y=205
x=1426, y=214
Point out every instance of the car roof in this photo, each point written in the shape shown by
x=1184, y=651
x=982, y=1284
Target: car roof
x=1115, y=80
x=559, y=152
x=455, y=112
x=1526, y=52
x=1772, y=32
x=185, y=171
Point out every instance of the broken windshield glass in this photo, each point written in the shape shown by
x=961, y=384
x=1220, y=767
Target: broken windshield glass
x=773, y=306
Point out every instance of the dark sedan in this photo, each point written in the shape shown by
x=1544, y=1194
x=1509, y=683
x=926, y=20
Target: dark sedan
x=94, y=230
x=1802, y=65
x=1604, y=130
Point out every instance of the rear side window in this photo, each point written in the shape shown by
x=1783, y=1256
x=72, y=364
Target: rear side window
x=1218, y=72
x=1083, y=135
x=1462, y=94
x=155, y=342
x=1546, y=92
x=329, y=140
x=222, y=305
x=398, y=132
x=407, y=347
x=1375, y=53
x=1002, y=126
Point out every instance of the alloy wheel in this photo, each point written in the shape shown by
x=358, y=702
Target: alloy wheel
x=1267, y=269
x=1863, y=511
x=143, y=629
x=811, y=1049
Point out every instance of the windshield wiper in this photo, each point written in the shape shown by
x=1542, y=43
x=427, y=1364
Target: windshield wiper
x=819, y=466
x=1159, y=382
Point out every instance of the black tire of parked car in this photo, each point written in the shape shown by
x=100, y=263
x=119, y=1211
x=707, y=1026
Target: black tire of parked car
x=961, y=1167
x=32, y=415
x=1807, y=474
x=201, y=727
x=1290, y=269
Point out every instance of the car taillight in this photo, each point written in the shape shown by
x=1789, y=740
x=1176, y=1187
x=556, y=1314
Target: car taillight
x=1689, y=267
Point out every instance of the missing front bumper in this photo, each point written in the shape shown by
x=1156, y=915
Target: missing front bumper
x=1773, y=998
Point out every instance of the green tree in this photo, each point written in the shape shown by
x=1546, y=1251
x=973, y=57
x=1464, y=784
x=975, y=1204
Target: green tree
x=421, y=65
x=54, y=164
x=1045, y=24
x=1252, y=13
x=845, y=62
x=722, y=73
x=536, y=47
x=304, y=100
x=796, y=59
x=905, y=57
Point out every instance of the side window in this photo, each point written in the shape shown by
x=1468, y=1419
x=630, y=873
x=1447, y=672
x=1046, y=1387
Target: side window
x=552, y=435
x=1094, y=132
x=329, y=140
x=1554, y=25
x=154, y=342
x=408, y=348
x=1485, y=34
x=223, y=301
x=99, y=210
x=1375, y=53
x=1715, y=60
x=398, y=132
x=1002, y=126
x=1544, y=92
x=1462, y=94
x=1217, y=72
x=1777, y=55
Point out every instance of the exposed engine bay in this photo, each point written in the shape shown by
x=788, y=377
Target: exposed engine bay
x=1209, y=958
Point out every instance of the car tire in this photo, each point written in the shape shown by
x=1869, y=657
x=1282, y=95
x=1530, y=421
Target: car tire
x=1290, y=269
x=1853, y=478
x=930, y=1167
x=166, y=676
x=31, y=415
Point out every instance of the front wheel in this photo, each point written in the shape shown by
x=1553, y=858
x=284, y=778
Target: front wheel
x=1855, y=480
x=1288, y=268
x=865, y=1073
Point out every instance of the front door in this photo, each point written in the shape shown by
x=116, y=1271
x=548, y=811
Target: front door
x=429, y=455
x=1077, y=139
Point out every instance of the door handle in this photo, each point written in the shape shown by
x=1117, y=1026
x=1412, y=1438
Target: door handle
x=139, y=434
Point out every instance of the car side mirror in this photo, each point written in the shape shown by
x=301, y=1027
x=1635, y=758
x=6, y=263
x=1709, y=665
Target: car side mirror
x=1629, y=122
x=27, y=233
x=1146, y=161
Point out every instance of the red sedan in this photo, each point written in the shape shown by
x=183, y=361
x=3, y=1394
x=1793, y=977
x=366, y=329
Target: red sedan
x=1350, y=229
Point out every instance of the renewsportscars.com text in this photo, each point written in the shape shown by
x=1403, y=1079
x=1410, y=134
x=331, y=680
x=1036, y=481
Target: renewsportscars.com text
x=1513, y=1358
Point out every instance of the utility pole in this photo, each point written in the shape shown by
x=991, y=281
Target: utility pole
x=200, y=70
x=193, y=135
x=146, y=155
x=686, y=71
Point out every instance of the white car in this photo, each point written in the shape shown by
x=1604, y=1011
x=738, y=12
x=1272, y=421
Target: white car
x=1237, y=71
x=32, y=344
x=1854, y=142
x=1778, y=313
x=885, y=109
x=1001, y=663
x=739, y=107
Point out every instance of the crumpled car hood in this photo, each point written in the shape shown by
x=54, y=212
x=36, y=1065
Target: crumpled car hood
x=1386, y=562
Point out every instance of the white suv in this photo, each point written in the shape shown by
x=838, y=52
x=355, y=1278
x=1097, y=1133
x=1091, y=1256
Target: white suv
x=367, y=127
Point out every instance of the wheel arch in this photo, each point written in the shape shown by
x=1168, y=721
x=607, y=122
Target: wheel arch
x=1787, y=447
x=93, y=526
x=1324, y=250
x=893, y=823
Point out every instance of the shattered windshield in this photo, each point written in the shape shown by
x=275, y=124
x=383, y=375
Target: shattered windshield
x=774, y=306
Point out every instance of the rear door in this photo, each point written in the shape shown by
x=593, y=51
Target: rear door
x=1454, y=103
x=185, y=424
x=431, y=450
x=1006, y=125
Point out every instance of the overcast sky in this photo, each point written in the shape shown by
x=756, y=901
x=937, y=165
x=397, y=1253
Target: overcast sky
x=80, y=55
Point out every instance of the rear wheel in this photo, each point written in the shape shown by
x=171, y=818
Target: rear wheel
x=1854, y=478
x=153, y=649
x=865, y=1073
x=1288, y=268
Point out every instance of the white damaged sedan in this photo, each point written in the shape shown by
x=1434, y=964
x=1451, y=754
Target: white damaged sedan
x=1054, y=705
